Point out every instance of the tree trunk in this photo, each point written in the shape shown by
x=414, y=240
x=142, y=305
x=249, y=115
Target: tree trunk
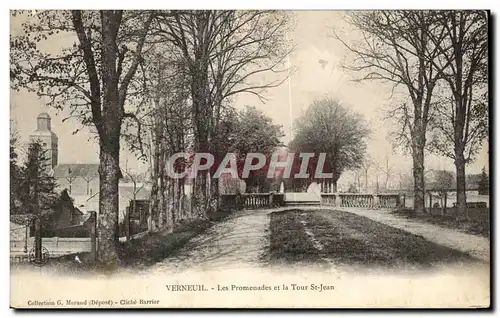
x=334, y=180
x=183, y=210
x=162, y=207
x=214, y=194
x=175, y=201
x=109, y=171
x=169, y=204
x=461, y=199
x=109, y=140
x=199, y=198
x=156, y=188
x=154, y=198
x=418, y=176
x=366, y=180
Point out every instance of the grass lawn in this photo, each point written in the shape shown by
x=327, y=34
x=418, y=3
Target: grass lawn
x=289, y=242
x=478, y=224
x=154, y=247
x=349, y=240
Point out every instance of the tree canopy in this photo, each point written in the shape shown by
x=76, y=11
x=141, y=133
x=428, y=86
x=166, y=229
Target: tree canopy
x=331, y=128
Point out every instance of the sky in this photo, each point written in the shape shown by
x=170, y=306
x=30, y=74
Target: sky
x=317, y=62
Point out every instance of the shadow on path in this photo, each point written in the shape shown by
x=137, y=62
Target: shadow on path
x=238, y=241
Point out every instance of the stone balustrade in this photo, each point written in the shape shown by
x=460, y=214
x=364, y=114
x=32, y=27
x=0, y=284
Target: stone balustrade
x=251, y=201
x=362, y=200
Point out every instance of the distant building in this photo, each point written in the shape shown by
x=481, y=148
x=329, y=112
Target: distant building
x=65, y=213
x=80, y=180
x=82, y=183
x=46, y=137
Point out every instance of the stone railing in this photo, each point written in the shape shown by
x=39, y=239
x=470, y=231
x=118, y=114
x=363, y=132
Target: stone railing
x=362, y=200
x=251, y=201
x=262, y=200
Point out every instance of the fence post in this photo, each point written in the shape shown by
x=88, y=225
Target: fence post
x=93, y=239
x=445, y=203
x=38, y=241
x=430, y=203
x=127, y=223
x=26, y=240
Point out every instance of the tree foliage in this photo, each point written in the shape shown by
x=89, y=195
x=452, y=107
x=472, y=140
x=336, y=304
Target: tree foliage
x=15, y=177
x=484, y=183
x=37, y=185
x=442, y=180
x=256, y=133
x=328, y=127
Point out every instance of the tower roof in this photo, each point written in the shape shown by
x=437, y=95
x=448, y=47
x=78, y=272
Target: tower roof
x=44, y=115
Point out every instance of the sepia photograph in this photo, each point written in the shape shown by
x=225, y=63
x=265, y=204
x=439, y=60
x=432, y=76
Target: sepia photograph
x=250, y=159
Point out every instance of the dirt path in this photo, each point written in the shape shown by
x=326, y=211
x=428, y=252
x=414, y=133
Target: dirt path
x=238, y=241
x=473, y=245
x=241, y=240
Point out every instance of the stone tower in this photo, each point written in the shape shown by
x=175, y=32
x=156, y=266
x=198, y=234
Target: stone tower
x=47, y=137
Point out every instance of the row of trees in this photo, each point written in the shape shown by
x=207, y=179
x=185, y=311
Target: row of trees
x=437, y=62
x=167, y=76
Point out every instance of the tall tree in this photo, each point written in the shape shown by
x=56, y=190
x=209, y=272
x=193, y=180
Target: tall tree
x=461, y=121
x=15, y=177
x=38, y=194
x=386, y=167
x=365, y=167
x=328, y=127
x=92, y=73
x=484, y=183
x=395, y=48
x=256, y=132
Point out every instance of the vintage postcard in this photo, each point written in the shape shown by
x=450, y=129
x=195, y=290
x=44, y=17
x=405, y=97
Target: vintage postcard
x=249, y=159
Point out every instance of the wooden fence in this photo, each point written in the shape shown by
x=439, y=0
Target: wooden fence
x=56, y=246
x=24, y=248
x=363, y=200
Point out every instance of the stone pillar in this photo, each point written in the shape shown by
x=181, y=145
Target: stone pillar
x=376, y=201
x=93, y=236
